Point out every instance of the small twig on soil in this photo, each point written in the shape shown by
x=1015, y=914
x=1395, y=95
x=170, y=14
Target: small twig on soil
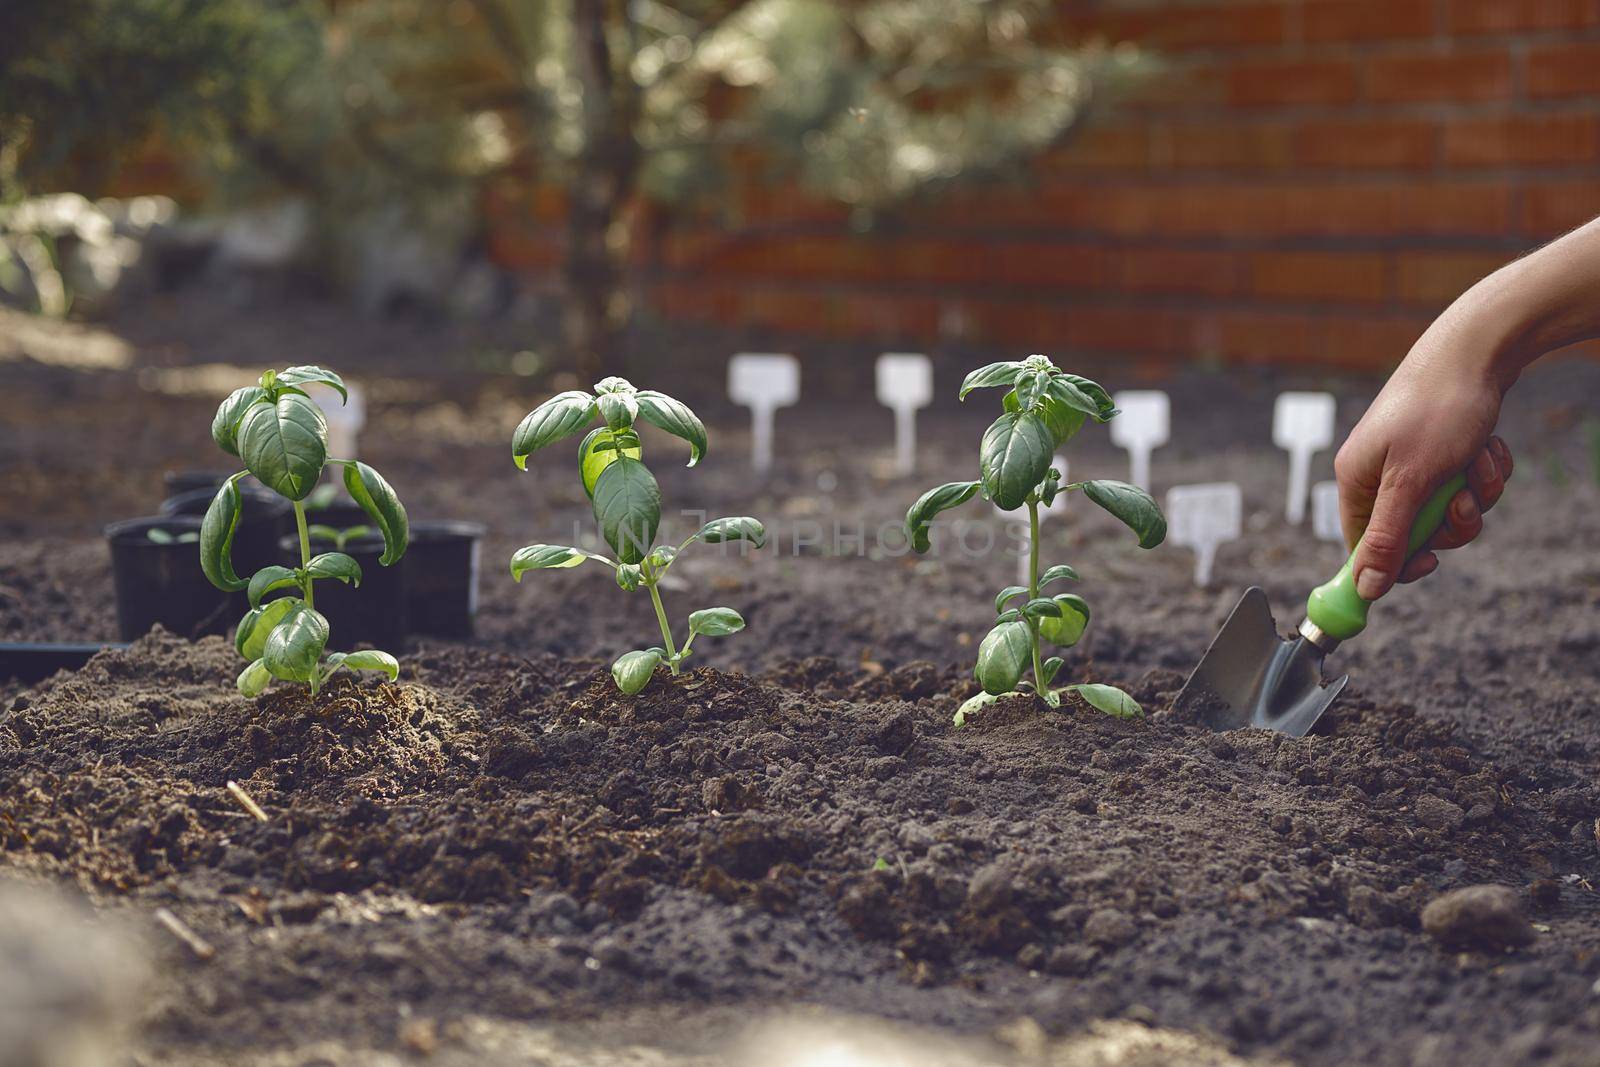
x=196, y=944
x=237, y=792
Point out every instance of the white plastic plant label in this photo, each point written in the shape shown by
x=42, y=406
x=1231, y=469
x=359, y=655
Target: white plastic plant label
x=1059, y=504
x=905, y=384
x=344, y=420
x=1204, y=517
x=1143, y=425
x=1302, y=425
x=1325, y=512
x=763, y=382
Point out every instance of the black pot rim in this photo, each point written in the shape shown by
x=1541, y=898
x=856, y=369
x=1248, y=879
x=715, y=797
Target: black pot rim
x=447, y=530
x=372, y=543
x=275, y=506
x=131, y=532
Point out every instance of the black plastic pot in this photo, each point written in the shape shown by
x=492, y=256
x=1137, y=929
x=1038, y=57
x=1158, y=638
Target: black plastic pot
x=163, y=583
x=188, y=481
x=342, y=514
x=442, y=577
x=263, y=518
x=374, y=613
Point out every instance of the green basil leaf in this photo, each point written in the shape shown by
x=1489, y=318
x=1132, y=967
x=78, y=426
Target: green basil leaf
x=549, y=557
x=1105, y=409
x=1057, y=573
x=1051, y=667
x=268, y=579
x=370, y=659
x=1006, y=594
x=673, y=416
x=614, y=384
x=619, y=410
x=1108, y=698
x=629, y=576
x=335, y=565
x=1005, y=653
x=294, y=647
x=716, y=622
x=368, y=488
x=254, y=678
x=600, y=449
x=1065, y=629
x=308, y=374
x=1064, y=420
x=1014, y=458
x=225, y=423
x=627, y=507
x=992, y=375
x=561, y=416
x=285, y=444
x=1041, y=608
x=216, y=538
x=733, y=528
x=633, y=670
x=1030, y=387
x=1008, y=616
x=250, y=638
x=940, y=498
x=1133, y=506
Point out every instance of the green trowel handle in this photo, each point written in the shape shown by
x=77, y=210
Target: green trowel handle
x=1336, y=608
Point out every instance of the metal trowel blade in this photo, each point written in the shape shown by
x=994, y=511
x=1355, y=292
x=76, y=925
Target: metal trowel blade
x=1253, y=676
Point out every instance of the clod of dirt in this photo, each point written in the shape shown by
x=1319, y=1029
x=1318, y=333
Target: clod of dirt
x=1109, y=928
x=1486, y=917
x=1439, y=814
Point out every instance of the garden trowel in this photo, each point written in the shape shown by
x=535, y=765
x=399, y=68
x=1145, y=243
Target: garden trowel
x=1253, y=676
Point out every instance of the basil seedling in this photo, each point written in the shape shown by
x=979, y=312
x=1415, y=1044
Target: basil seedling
x=627, y=508
x=1044, y=409
x=282, y=436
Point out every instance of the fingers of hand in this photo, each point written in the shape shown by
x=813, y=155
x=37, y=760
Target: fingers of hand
x=1485, y=479
x=1421, y=565
x=1463, y=521
x=1502, y=457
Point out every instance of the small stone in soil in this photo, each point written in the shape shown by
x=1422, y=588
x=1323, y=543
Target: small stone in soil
x=1109, y=928
x=1479, y=916
x=1439, y=814
x=896, y=734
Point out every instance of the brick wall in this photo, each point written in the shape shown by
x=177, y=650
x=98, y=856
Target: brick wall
x=1307, y=181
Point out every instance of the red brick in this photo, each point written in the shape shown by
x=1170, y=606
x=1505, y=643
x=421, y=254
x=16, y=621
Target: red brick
x=1552, y=208
x=1387, y=144
x=1280, y=83
x=1509, y=16
x=1533, y=140
x=1564, y=70
x=1180, y=270
x=1366, y=20
x=1175, y=29
x=1439, y=277
x=1459, y=76
x=1318, y=276
x=1100, y=148
x=1226, y=146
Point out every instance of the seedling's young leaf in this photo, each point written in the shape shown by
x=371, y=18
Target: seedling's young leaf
x=1067, y=628
x=673, y=416
x=940, y=498
x=627, y=507
x=1004, y=654
x=1014, y=458
x=733, y=528
x=225, y=424
x=1133, y=506
x=254, y=678
x=294, y=647
x=1010, y=592
x=559, y=417
x=633, y=670
x=1052, y=667
x=216, y=538
x=1105, y=409
x=1008, y=616
x=990, y=376
x=369, y=659
x=285, y=444
x=368, y=488
x=619, y=410
x=1031, y=385
x=600, y=449
x=629, y=576
x=308, y=374
x=549, y=557
x=1041, y=609
x=250, y=638
x=716, y=622
x=971, y=706
x=268, y=579
x=318, y=532
x=1057, y=573
x=160, y=537
x=1068, y=396
x=335, y=565
x=1108, y=698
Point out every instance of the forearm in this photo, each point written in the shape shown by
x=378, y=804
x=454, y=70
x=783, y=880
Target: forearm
x=1544, y=301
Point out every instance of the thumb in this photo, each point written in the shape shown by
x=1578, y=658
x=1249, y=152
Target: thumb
x=1382, y=552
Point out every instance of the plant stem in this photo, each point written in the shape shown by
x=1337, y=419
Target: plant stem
x=305, y=551
x=1033, y=593
x=666, y=630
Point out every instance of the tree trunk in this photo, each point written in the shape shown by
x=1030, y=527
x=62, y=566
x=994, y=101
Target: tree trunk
x=595, y=270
